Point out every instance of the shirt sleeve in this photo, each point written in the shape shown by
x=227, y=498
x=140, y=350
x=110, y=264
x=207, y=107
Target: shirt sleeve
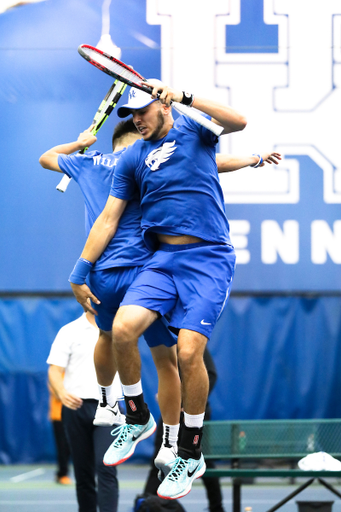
x=60, y=349
x=123, y=184
x=205, y=134
x=72, y=165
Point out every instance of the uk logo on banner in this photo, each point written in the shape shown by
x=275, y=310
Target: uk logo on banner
x=285, y=220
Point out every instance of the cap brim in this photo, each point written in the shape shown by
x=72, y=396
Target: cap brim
x=126, y=109
x=123, y=111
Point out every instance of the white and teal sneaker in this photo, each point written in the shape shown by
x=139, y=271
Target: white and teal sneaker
x=107, y=416
x=179, y=480
x=164, y=459
x=128, y=436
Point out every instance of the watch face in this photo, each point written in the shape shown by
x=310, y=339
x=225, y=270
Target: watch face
x=187, y=94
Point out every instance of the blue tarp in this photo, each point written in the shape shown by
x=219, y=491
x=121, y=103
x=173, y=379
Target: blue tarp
x=276, y=358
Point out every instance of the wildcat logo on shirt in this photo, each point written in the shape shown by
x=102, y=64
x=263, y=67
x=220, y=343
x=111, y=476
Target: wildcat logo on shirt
x=160, y=155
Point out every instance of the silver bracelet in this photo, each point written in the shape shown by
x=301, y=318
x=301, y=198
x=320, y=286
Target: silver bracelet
x=260, y=161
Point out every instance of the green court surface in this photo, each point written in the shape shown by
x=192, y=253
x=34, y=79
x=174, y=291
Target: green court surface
x=32, y=489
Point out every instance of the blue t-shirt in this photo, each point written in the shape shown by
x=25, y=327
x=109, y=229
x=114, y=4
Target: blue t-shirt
x=93, y=172
x=177, y=177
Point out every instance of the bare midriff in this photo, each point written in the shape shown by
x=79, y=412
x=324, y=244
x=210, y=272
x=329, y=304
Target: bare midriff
x=179, y=240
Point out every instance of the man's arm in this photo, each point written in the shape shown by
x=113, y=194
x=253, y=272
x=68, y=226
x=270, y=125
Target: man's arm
x=49, y=160
x=227, y=117
x=228, y=163
x=223, y=115
x=56, y=381
x=100, y=235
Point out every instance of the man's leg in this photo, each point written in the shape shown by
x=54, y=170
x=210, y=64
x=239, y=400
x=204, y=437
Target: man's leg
x=110, y=286
x=194, y=377
x=107, y=482
x=190, y=463
x=169, y=398
x=108, y=412
x=63, y=452
x=169, y=388
x=129, y=323
x=78, y=428
x=104, y=359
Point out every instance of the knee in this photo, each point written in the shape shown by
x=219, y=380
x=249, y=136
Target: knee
x=121, y=333
x=189, y=359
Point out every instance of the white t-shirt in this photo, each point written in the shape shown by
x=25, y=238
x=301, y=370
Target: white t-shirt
x=73, y=349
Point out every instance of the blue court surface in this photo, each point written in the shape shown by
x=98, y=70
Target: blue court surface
x=32, y=489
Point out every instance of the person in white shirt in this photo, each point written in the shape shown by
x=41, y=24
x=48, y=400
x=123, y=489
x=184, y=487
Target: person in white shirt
x=72, y=352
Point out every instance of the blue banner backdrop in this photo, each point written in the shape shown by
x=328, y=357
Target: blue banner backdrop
x=276, y=358
x=285, y=221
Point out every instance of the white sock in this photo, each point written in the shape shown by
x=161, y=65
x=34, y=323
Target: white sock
x=194, y=420
x=133, y=389
x=170, y=435
x=107, y=395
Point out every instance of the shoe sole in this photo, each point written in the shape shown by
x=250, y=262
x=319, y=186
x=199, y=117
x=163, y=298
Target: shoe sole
x=145, y=435
x=102, y=424
x=99, y=423
x=188, y=489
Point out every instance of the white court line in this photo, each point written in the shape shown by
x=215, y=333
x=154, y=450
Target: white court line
x=40, y=502
x=28, y=475
x=52, y=502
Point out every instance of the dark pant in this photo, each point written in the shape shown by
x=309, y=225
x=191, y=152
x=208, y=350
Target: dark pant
x=212, y=485
x=63, y=450
x=88, y=445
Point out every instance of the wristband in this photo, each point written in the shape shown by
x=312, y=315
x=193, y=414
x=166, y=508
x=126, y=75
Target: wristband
x=260, y=161
x=80, y=271
x=187, y=99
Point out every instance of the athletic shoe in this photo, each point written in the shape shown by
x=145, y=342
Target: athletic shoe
x=107, y=416
x=128, y=436
x=179, y=480
x=166, y=455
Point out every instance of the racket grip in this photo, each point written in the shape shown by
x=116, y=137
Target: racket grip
x=194, y=114
x=63, y=184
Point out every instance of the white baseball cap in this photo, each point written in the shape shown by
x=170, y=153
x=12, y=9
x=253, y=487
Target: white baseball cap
x=136, y=99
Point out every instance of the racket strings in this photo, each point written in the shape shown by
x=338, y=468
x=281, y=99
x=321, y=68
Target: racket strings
x=113, y=66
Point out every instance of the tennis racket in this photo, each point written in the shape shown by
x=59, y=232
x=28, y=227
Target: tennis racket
x=104, y=110
x=124, y=73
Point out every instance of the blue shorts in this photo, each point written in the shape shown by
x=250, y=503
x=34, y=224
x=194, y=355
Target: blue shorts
x=110, y=286
x=192, y=282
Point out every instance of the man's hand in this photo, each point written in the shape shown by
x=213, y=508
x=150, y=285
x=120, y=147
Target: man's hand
x=83, y=295
x=56, y=381
x=270, y=158
x=69, y=400
x=49, y=160
x=164, y=93
x=86, y=138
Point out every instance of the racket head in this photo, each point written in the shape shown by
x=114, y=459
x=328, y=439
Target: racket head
x=113, y=67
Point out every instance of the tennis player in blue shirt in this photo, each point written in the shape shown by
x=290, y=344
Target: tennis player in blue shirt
x=116, y=269
x=189, y=277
